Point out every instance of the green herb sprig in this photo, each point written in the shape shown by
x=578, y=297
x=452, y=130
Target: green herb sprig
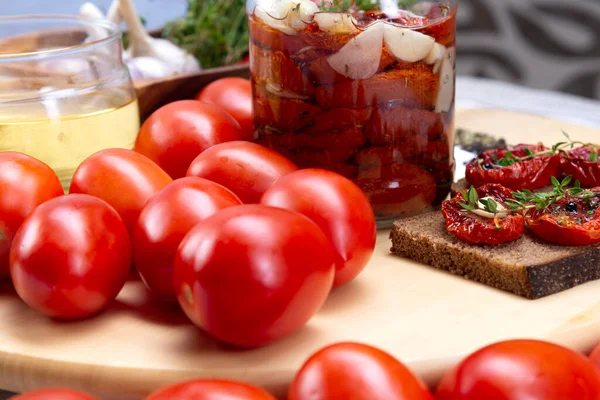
x=510, y=159
x=472, y=202
x=214, y=31
x=363, y=5
x=525, y=200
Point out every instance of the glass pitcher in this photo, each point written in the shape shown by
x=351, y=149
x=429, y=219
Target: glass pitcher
x=64, y=90
x=364, y=88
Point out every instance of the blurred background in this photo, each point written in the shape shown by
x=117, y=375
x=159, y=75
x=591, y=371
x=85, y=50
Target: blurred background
x=544, y=44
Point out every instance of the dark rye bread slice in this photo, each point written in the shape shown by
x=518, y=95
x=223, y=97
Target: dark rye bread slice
x=459, y=186
x=526, y=267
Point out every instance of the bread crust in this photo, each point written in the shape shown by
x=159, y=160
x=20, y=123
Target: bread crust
x=526, y=267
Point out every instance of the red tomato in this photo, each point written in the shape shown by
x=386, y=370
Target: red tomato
x=342, y=211
x=25, y=183
x=234, y=95
x=176, y=133
x=71, y=257
x=595, y=356
x=583, y=163
x=245, y=168
x=476, y=229
x=210, y=390
x=252, y=274
x=522, y=369
x=571, y=221
x=358, y=372
x=54, y=394
x=123, y=178
x=165, y=220
x=531, y=174
x=398, y=189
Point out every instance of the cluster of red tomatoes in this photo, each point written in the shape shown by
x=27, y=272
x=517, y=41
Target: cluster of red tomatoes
x=564, y=210
x=510, y=370
x=246, y=243
x=528, y=166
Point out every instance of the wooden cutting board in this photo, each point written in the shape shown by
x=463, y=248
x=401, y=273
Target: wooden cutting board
x=427, y=318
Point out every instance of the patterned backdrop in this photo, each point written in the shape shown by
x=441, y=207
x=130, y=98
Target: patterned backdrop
x=548, y=44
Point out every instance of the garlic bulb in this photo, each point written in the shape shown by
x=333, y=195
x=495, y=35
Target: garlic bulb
x=147, y=68
x=113, y=14
x=143, y=45
x=146, y=57
x=90, y=11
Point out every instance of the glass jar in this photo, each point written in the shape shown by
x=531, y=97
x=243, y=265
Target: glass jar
x=65, y=92
x=363, y=88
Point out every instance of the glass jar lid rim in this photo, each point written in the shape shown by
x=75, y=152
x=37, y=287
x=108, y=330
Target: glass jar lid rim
x=111, y=33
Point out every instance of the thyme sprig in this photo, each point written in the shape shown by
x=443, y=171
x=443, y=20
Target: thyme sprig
x=510, y=158
x=473, y=201
x=363, y=5
x=525, y=200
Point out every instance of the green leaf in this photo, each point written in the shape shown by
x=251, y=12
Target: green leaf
x=519, y=196
x=577, y=184
x=514, y=205
x=473, y=196
x=509, y=155
x=528, y=192
x=540, y=197
x=565, y=134
x=406, y=3
x=575, y=191
x=529, y=152
x=566, y=181
x=555, y=182
x=369, y=5
x=467, y=207
x=558, y=146
x=505, y=162
x=594, y=156
x=214, y=31
x=491, y=206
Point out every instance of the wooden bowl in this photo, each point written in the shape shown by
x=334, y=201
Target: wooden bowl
x=154, y=93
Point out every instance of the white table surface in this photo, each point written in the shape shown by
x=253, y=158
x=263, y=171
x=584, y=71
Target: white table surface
x=484, y=93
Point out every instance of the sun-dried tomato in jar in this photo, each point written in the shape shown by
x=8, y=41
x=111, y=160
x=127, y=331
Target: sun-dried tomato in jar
x=361, y=87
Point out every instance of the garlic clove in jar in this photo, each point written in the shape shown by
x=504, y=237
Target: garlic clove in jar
x=273, y=21
x=336, y=23
x=406, y=44
x=445, y=95
x=301, y=13
x=287, y=16
x=436, y=56
x=359, y=58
